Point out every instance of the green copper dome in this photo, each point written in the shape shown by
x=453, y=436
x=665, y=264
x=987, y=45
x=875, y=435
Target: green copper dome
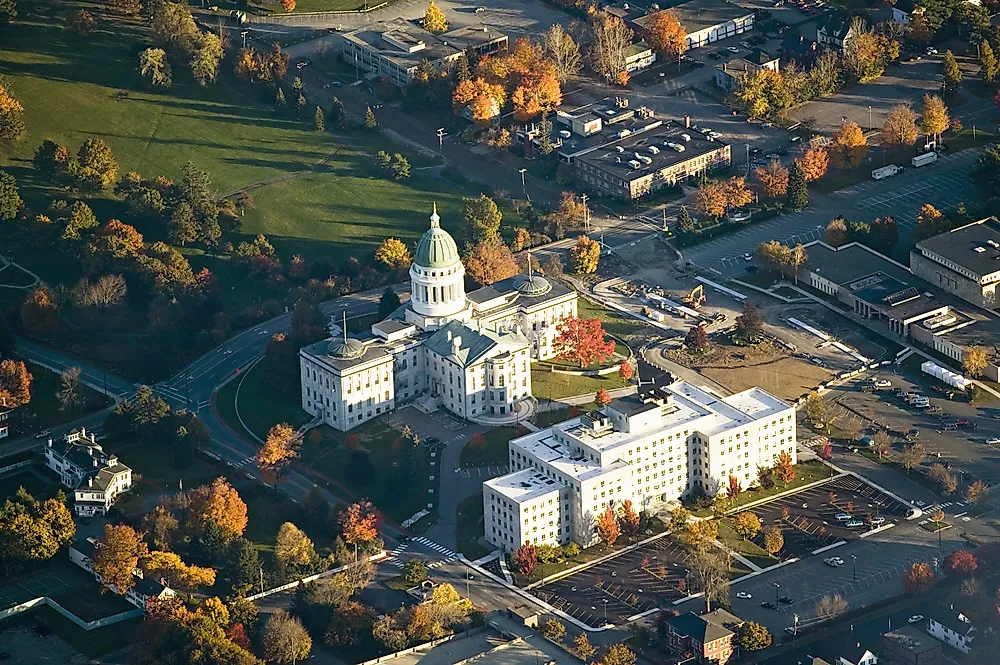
x=436, y=249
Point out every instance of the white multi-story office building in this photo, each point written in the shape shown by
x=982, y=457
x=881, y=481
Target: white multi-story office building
x=468, y=353
x=651, y=449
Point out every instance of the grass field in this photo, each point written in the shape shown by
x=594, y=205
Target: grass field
x=469, y=520
x=495, y=453
x=260, y=407
x=747, y=548
x=805, y=473
x=549, y=385
x=44, y=409
x=615, y=323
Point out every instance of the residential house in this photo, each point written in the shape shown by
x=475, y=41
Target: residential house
x=96, y=477
x=726, y=74
x=952, y=627
x=835, y=31
x=796, y=48
x=638, y=56
x=82, y=553
x=909, y=646
x=707, y=638
x=856, y=655
x=5, y=412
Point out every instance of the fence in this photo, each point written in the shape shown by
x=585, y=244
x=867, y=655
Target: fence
x=86, y=625
x=424, y=647
x=16, y=465
x=311, y=578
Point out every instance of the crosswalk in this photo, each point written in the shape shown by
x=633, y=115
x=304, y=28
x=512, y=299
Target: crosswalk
x=430, y=544
x=395, y=560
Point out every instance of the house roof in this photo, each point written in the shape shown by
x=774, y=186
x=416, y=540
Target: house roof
x=968, y=246
x=836, y=25
x=854, y=653
x=105, y=476
x=760, y=57
x=949, y=618
x=706, y=628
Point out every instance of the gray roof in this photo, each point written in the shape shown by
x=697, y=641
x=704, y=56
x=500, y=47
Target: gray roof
x=760, y=57
x=949, y=619
x=104, y=476
x=390, y=326
x=706, y=628
x=912, y=640
x=323, y=348
x=421, y=43
x=482, y=295
x=632, y=405
x=474, y=344
x=959, y=246
x=515, y=286
x=698, y=15
x=836, y=25
x=144, y=586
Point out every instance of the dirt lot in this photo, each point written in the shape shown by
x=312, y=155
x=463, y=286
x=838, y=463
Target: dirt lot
x=766, y=365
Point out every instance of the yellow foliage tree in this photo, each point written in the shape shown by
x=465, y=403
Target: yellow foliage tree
x=434, y=19
x=393, y=254
x=773, y=178
x=848, y=146
x=280, y=446
x=176, y=573
x=934, y=117
x=665, y=33
x=900, y=128
x=814, y=163
x=585, y=255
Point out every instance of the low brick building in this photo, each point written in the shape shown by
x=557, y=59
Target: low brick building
x=708, y=638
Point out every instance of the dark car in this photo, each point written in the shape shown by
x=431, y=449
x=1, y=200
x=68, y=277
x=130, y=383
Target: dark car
x=431, y=442
x=768, y=605
x=969, y=425
x=912, y=433
x=785, y=600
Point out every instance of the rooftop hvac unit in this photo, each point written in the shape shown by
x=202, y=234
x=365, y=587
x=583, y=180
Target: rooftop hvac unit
x=653, y=150
x=635, y=163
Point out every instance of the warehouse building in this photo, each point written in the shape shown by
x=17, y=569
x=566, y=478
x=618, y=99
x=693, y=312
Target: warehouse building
x=393, y=49
x=705, y=21
x=964, y=262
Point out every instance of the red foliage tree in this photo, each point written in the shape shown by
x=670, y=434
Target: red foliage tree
x=625, y=371
x=351, y=441
x=734, y=488
x=478, y=442
x=525, y=558
x=607, y=527
x=826, y=451
x=238, y=636
x=602, y=397
x=628, y=519
x=582, y=341
x=960, y=563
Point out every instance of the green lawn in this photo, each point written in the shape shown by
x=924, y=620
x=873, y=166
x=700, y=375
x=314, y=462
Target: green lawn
x=747, y=548
x=91, y=643
x=615, y=323
x=45, y=411
x=495, y=453
x=37, y=487
x=386, y=487
x=268, y=509
x=805, y=473
x=469, y=519
x=548, y=418
x=550, y=385
x=260, y=407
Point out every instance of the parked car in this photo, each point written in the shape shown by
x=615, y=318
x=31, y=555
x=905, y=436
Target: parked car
x=876, y=521
x=743, y=595
x=931, y=50
x=732, y=49
x=44, y=433
x=993, y=441
x=854, y=524
x=768, y=605
x=834, y=561
x=747, y=256
x=773, y=155
x=842, y=517
x=916, y=618
x=785, y=600
x=962, y=422
x=882, y=383
x=969, y=425
x=912, y=433
x=745, y=44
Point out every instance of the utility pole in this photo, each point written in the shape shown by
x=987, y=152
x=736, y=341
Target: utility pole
x=262, y=579
x=244, y=34
x=854, y=565
x=524, y=188
x=586, y=213
x=440, y=133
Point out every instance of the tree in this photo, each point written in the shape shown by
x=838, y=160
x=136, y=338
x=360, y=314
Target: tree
x=414, y=571
x=628, y=520
x=848, y=146
x=749, y=324
x=525, y=558
x=900, y=127
x=369, y=122
x=490, y=261
x=292, y=546
x=696, y=339
x=934, y=116
x=81, y=23
x=710, y=569
x=434, y=19
x=393, y=254
x=388, y=303
x=940, y=474
x=783, y=467
x=830, y=607
x=702, y=534
x=389, y=634
x=960, y=563
x=15, y=382
x=814, y=163
x=734, y=487
x=816, y=409
x=69, y=391
x=883, y=234
x=562, y=52
x=174, y=28
x=359, y=523
x=747, y=525
x=288, y=5
x=711, y=200
x=977, y=491
x=400, y=167
x=974, y=360
x=159, y=527
x=665, y=34
x=679, y=517
x=207, y=56
x=989, y=68
x=538, y=93
x=607, y=527
x=280, y=446
x=582, y=341
x=183, y=227
x=610, y=39
x=930, y=222
x=11, y=110
x=348, y=625
x=918, y=579
x=584, y=649
x=555, y=630
x=625, y=371
x=220, y=506
x=754, y=636
x=125, y=7
x=798, y=193
x=481, y=218
x=117, y=555
x=950, y=71
x=8, y=11
x=285, y=640
x=685, y=225
x=913, y=456
x=773, y=179
x=483, y=98
x=154, y=67
x=836, y=232
x=177, y=574
x=32, y=531
x=10, y=198
x=39, y=312
x=98, y=166
x=773, y=540
x=585, y=255
x=618, y=654
x=761, y=92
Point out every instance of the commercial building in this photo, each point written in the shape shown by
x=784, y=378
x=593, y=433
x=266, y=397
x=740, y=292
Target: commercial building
x=97, y=478
x=393, y=49
x=952, y=627
x=964, y=262
x=5, y=412
x=908, y=646
x=651, y=449
x=705, y=21
x=638, y=163
x=707, y=638
x=467, y=353
x=726, y=74
x=638, y=56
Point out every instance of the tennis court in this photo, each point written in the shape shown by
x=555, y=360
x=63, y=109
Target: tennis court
x=44, y=583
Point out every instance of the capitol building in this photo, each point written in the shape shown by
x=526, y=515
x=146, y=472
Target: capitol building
x=469, y=353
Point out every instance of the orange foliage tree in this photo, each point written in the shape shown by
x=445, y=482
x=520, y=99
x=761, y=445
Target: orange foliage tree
x=279, y=448
x=607, y=527
x=482, y=97
x=783, y=467
x=524, y=72
x=628, y=518
x=665, y=33
x=218, y=504
x=602, y=397
x=582, y=341
x=814, y=163
x=359, y=523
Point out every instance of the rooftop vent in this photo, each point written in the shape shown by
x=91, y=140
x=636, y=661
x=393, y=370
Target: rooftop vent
x=979, y=250
x=993, y=243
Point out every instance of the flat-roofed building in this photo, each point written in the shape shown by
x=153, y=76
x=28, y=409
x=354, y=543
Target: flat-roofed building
x=909, y=646
x=634, y=164
x=705, y=21
x=651, y=449
x=964, y=261
x=393, y=49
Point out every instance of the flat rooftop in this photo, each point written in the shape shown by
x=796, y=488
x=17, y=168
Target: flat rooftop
x=524, y=485
x=698, y=15
x=913, y=640
x=386, y=38
x=975, y=247
x=614, y=157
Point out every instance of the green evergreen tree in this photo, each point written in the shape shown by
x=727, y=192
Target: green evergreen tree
x=798, y=193
x=400, y=167
x=462, y=72
x=989, y=68
x=279, y=99
x=243, y=568
x=338, y=116
x=8, y=11
x=10, y=198
x=388, y=303
x=319, y=121
x=370, y=122
x=951, y=72
x=685, y=225
x=545, y=136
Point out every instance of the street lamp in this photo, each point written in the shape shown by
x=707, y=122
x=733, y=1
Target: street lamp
x=605, y=610
x=468, y=576
x=524, y=188
x=854, y=565
x=869, y=117
x=776, y=586
x=440, y=133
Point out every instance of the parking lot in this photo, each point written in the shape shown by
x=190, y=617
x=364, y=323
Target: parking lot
x=808, y=519
x=651, y=576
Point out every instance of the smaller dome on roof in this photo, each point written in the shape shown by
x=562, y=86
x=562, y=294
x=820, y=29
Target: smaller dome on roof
x=349, y=349
x=534, y=286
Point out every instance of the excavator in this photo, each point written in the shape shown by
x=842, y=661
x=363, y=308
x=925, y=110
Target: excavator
x=696, y=298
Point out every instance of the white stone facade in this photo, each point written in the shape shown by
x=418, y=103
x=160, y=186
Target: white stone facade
x=651, y=450
x=468, y=353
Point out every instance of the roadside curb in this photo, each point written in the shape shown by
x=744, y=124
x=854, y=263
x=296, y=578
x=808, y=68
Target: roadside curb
x=830, y=547
x=917, y=512
x=882, y=528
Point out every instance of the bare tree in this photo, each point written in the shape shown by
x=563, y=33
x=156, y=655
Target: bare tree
x=610, y=40
x=913, y=456
x=830, y=607
x=69, y=394
x=852, y=428
x=562, y=52
x=107, y=291
x=710, y=570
